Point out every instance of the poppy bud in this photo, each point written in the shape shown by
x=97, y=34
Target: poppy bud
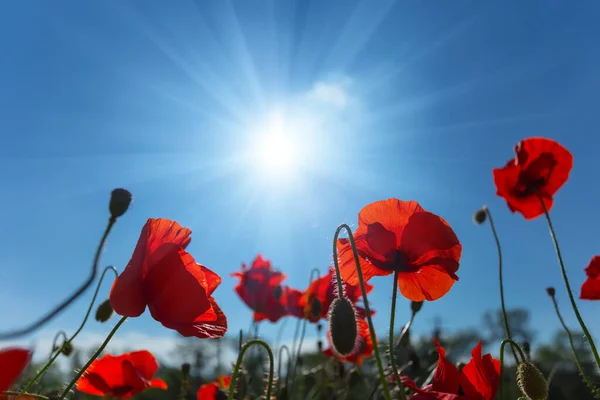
x=551, y=291
x=415, y=306
x=277, y=292
x=342, y=326
x=120, y=199
x=319, y=327
x=67, y=349
x=320, y=346
x=531, y=381
x=480, y=215
x=185, y=369
x=104, y=311
x=460, y=365
x=315, y=308
x=299, y=361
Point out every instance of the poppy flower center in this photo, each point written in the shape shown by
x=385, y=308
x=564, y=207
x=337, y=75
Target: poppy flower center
x=121, y=390
x=401, y=262
x=535, y=176
x=315, y=308
x=221, y=395
x=277, y=292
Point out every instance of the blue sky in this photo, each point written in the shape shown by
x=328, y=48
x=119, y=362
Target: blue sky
x=173, y=101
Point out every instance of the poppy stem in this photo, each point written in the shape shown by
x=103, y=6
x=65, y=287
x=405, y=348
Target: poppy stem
x=305, y=319
x=586, y=332
x=92, y=359
x=287, y=373
x=392, y=348
x=236, y=369
x=382, y=378
x=55, y=340
x=67, y=342
x=586, y=379
x=280, y=332
x=30, y=395
x=513, y=345
x=500, y=277
x=61, y=307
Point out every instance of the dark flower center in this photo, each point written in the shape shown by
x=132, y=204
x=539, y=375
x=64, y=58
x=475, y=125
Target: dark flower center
x=315, y=308
x=535, y=176
x=121, y=390
x=277, y=292
x=221, y=395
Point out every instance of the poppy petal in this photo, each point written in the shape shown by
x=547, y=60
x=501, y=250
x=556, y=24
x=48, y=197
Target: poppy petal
x=590, y=290
x=347, y=263
x=479, y=379
x=211, y=324
x=429, y=283
x=175, y=274
x=158, y=384
x=446, y=378
x=144, y=362
x=428, y=238
x=127, y=294
x=212, y=279
x=13, y=361
x=392, y=214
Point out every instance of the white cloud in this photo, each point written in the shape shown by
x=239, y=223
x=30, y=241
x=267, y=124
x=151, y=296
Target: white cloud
x=332, y=92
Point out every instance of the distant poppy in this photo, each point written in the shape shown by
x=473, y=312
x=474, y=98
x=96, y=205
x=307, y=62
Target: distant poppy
x=157, y=275
x=260, y=288
x=121, y=376
x=215, y=390
x=395, y=235
x=364, y=346
x=279, y=305
x=258, y=284
x=590, y=290
x=478, y=380
x=317, y=298
x=540, y=167
x=12, y=361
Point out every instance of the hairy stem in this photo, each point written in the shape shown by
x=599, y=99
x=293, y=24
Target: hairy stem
x=62, y=306
x=70, y=340
x=92, y=359
x=236, y=369
x=382, y=378
x=584, y=328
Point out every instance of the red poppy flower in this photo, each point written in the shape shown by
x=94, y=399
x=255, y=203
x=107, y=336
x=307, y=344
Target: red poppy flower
x=13, y=362
x=590, y=290
x=260, y=287
x=478, y=379
x=364, y=347
x=159, y=271
x=540, y=167
x=210, y=391
x=121, y=376
x=395, y=235
x=282, y=302
x=317, y=298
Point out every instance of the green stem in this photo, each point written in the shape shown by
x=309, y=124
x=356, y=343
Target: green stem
x=513, y=344
x=236, y=369
x=382, y=378
x=280, y=332
x=287, y=373
x=55, y=356
x=392, y=349
x=296, y=332
x=93, y=358
x=586, y=379
x=551, y=375
x=54, y=346
x=61, y=307
x=586, y=332
x=31, y=395
x=500, y=278
x=305, y=319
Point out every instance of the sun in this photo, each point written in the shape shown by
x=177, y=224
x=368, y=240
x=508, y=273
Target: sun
x=278, y=148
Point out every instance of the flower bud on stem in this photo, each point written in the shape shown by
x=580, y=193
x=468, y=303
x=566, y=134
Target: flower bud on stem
x=236, y=369
x=382, y=378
